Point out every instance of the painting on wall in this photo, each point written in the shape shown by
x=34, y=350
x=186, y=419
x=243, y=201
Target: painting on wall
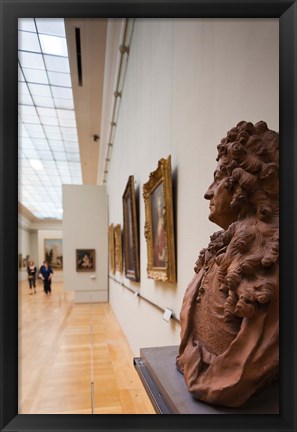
x=130, y=232
x=118, y=251
x=159, y=223
x=85, y=260
x=53, y=253
x=20, y=261
x=111, y=248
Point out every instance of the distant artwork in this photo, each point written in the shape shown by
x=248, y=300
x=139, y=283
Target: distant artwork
x=130, y=235
x=118, y=251
x=159, y=226
x=85, y=260
x=24, y=263
x=111, y=248
x=53, y=253
x=158, y=230
x=20, y=261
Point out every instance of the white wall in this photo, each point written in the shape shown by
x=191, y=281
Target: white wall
x=188, y=82
x=85, y=227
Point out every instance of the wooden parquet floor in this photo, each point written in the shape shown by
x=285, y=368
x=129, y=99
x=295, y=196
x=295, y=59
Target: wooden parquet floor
x=64, y=347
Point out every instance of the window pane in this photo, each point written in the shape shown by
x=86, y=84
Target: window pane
x=59, y=79
x=45, y=155
x=40, y=144
x=60, y=156
x=28, y=42
x=64, y=103
x=62, y=92
x=49, y=121
x=39, y=90
x=25, y=100
x=35, y=76
x=51, y=26
x=30, y=119
x=49, y=112
x=53, y=45
x=57, y=64
x=43, y=101
x=27, y=110
x=26, y=24
x=23, y=88
x=67, y=122
x=67, y=114
x=56, y=145
x=31, y=60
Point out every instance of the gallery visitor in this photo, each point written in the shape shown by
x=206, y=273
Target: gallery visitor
x=32, y=270
x=45, y=273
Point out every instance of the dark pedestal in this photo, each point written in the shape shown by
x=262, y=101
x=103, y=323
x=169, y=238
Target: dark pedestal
x=168, y=392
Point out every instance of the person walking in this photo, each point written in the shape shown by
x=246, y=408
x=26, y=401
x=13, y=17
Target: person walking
x=45, y=273
x=32, y=270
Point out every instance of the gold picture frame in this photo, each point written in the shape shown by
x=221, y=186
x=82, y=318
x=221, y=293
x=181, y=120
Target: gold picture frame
x=111, y=248
x=159, y=223
x=118, y=251
x=130, y=232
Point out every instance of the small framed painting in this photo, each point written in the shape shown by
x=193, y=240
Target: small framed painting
x=111, y=248
x=85, y=260
x=118, y=251
x=130, y=232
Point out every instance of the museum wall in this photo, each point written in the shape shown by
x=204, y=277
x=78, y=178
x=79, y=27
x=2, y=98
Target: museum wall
x=85, y=227
x=188, y=82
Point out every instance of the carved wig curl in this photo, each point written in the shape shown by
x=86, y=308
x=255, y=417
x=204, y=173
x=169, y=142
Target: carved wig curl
x=249, y=157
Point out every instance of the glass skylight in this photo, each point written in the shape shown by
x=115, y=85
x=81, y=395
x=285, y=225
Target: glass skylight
x=48, y=143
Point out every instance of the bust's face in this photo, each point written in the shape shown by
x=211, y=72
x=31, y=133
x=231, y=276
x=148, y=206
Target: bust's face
x=220, y=198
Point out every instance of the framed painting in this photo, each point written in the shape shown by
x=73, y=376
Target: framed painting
x=130, y=232
x=20, y=261
x=85, y=260
x=286, y=13
x=53, y=253
x=111, y=248
x=159, y=223
x=118, y=250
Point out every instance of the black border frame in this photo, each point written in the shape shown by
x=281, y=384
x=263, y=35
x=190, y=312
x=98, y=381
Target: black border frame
x=10, y=10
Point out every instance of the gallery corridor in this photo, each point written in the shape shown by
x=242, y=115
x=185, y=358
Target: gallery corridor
x=64, y=347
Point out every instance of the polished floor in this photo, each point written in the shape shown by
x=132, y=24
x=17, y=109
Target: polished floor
x=74, y=358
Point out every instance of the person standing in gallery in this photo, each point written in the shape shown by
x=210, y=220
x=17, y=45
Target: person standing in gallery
x=32, y=270
x=45, y=273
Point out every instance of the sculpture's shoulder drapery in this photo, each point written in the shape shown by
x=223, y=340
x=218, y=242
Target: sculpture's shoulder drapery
x=229, y=317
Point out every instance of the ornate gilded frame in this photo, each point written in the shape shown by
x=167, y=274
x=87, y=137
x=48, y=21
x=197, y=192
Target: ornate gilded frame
x=111, y=248
x=118, y=251
x=130, y=232
x=161, y=177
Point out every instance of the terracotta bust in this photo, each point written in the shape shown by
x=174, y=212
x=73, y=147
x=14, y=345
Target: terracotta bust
x=229, y=346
